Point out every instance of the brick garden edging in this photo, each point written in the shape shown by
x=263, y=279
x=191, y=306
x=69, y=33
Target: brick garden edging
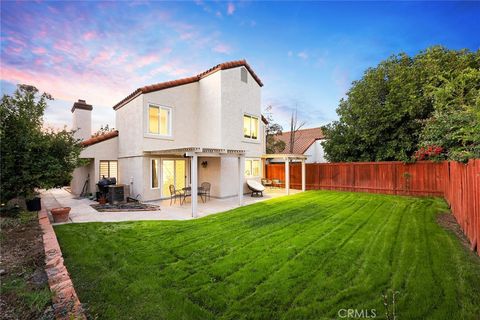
x=65, y=300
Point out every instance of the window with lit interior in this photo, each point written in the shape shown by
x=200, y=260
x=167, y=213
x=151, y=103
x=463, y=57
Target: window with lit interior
x=250, y=127
x=108, y=169
x=252, y=167
x=159, y=120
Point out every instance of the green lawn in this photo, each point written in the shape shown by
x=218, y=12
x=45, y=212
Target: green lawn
x=300, y=257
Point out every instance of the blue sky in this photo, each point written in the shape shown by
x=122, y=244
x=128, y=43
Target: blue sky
x=306, y=53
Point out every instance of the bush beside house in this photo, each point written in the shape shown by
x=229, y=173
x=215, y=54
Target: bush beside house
x=32, y=157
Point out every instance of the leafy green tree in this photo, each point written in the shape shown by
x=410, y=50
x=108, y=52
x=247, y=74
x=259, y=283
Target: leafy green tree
x=32, y=157
x=389, y=113
x=455, y=123
x=272, y=130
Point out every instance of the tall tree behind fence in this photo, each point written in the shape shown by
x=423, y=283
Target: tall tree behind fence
x=459, y=183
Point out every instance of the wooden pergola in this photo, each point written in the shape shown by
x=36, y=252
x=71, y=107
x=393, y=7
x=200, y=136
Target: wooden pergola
x=287, y=158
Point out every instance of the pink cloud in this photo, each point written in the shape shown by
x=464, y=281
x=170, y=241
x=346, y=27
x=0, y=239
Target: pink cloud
x=57, y=59
x=230, y=8
x=42, y=34
x=13, y=50
x=222, y=48
x=89, y=35
x=63, y=45
x=16, y=41
x=147, y=60
x=186, y=35
x=103, y=56
x=71, y=85
x=39, y=50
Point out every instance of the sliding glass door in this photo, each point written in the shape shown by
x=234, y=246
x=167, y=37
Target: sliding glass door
x=173, y=172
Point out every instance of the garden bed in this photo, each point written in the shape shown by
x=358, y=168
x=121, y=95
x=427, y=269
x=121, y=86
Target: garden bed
x=125, y=207
x=24, y=287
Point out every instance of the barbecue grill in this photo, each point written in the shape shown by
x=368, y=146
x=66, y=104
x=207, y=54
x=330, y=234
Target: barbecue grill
x=103, y=185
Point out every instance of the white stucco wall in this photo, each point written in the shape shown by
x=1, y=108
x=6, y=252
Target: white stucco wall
x=315, y=153
x=105, y=150
x=79, y=177
x=130, y=172
x=183, y=101
x=239, y=98
x=129, y=122
x=211, y=174
x=209, y=115
x=82, y=123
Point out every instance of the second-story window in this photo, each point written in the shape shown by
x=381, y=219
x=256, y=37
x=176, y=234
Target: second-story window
x=250, y=127
x=159, y=120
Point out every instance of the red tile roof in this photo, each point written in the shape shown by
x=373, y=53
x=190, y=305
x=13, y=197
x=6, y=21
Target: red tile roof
x=100, y=138
x=179, y=82
x=303, y=140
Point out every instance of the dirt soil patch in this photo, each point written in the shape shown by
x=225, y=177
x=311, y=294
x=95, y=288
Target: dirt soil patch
x=125, y=207
x=447, y=221
x=24, y=285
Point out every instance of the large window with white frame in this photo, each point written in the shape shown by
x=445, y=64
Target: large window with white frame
x=108, y=169
x=252, y=167
x=159, y=120
x=250, y=127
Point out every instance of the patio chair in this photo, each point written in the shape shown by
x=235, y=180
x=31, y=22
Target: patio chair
x=188, y=193
x=205, y=190
x=277, y=183
x=267, y=182
x=256, y=188
x=174, y=194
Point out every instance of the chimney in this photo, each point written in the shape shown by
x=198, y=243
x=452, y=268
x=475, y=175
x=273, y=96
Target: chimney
x=82, y=119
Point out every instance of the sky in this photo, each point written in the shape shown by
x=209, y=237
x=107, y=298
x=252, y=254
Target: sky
x=306, y=53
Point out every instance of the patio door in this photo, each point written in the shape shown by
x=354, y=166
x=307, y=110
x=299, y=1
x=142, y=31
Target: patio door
x=173, y=172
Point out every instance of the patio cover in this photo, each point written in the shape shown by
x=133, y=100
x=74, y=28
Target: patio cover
x=193, y=153
x=287, y=158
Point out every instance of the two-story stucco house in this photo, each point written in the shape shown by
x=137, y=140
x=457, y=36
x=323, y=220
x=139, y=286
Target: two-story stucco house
x=206, y=128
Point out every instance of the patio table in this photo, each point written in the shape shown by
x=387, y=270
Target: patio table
x=188, y=193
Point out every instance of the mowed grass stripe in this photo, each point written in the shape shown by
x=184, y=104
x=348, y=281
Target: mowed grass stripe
x=238, y=248
x=353, y=260
x=182, y=246
x=248, y=277
x=314, y=256
x=245, y=252
x=298, y=257
x=278, y=213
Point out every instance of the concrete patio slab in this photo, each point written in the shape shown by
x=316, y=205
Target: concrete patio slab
x=83, y=212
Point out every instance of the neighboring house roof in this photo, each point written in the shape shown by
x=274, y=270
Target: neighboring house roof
x=303, y=140
x=100, y=138
x=179, y=82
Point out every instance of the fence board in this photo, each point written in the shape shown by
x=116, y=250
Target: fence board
x=459, y=183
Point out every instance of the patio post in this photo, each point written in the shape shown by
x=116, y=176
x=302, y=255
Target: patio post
x=303, y=174
x=194, y=186
x=241, y=178
x=287, y=175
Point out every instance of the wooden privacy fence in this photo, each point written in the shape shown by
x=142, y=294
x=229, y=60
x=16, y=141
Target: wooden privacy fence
x=458, y=183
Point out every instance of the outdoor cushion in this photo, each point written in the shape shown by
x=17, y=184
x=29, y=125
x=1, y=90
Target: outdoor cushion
x=255, y=185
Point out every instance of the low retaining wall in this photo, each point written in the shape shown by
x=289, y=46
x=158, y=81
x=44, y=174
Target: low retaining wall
x=65, y=300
